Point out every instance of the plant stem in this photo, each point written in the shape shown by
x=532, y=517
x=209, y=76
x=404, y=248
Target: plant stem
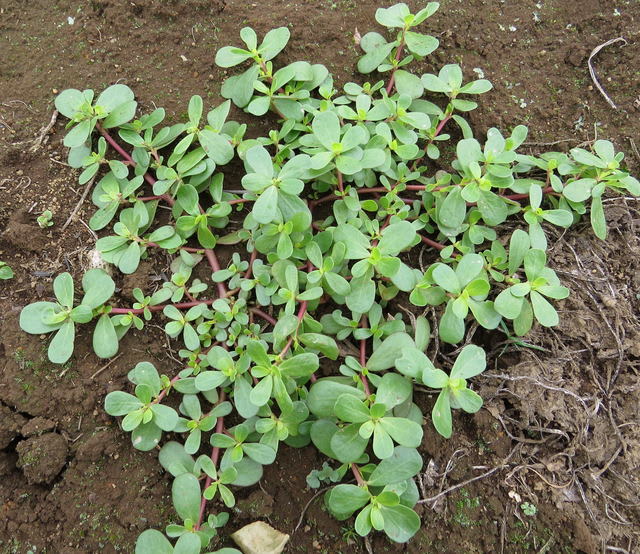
x=160, y=307
x=215, y=454
x=263, y=315
x=393, y=72
x=432, y=243
x=340, y=183
x=363, y=357
x=301, y=312
x=164, y=392
x=356, y=473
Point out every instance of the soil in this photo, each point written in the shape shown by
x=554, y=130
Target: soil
x=550, y=464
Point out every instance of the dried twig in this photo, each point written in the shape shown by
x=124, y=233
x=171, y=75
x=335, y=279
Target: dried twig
x=105, y=366
x=306, y=507
x=469, y=481
x=592, y=71
x=37, y=143
x=82, y=199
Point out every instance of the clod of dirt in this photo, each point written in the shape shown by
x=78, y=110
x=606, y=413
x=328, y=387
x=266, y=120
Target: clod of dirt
x=260, y=538
x=10, y=425
x=257, y=504
x=7, y=463
x=23, y=234
x=37, y=426
x=42, y=458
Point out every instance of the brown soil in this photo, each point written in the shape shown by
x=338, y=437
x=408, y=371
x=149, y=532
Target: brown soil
x=559, y=428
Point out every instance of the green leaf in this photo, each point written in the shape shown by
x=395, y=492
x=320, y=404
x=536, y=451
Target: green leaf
x=217, y=147
x=403, y=464
x=441, y=414
x=349, y=408
x=324, y=344
x=79, y=134
x=393, y=389
x=471, y=361
x=260, y=453
x=261, y=393
x=120, y=115
x=598, y=221
x=396, y=237
x=400, y=522
x=33, y=317
x=63, y=289
x=544, y=312
x=347, y=444
x=61, y=346
x=419, y=44
x=120, y=403
x=189, y=543
x=186, y=495
x=468, y=400
x=446, y=278
x=152, y=541
x=326, y=128
x=382, y=443
x=371, y=60
x=393, y=16
x=477, y=87
x=130, y=259
x=174, y=459
x=265, y=210
x=345, y=499
x=229, y=56
x=164, y=417
x=323, y=394
x=404, y=431
x=453, y=209
x=274, y=42
x=105, y=339
x=391, y=348
x=408, y=83
x=114, y=96
x=69, y=101
x=519, y=244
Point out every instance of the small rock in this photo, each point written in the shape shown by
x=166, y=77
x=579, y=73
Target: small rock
x=37, y=426
x=42, y=458
x=260, y=538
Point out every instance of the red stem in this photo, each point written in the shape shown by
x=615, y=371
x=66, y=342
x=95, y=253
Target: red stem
x=432, y=243
x=160, y=307
x=301, y=312
x=215, y=454
x=393, y=72
x=363, y=357
x=263, y=315
x=340, y=183
x=356, y=473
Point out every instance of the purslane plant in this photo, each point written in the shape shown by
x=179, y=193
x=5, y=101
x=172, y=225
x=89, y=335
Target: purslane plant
x=5, y=271
x=335, y=204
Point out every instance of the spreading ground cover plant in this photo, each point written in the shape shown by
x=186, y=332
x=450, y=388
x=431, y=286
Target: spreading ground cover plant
x=336, y=204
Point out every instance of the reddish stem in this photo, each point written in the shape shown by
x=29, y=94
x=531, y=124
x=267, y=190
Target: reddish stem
x=393, y=72
x=263, y=315
x=545, y=190
x=164, y=392
x=363, y=357
x=252, y=259
x=432, y=243
x=215, y=454
x=301, y=312
x=340, y=183
x=356, y=473
x=160, y=307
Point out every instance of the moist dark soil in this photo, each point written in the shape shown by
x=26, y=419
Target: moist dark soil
x=550, y=464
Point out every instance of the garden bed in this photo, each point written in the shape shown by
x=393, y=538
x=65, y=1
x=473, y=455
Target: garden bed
x=550, y=463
